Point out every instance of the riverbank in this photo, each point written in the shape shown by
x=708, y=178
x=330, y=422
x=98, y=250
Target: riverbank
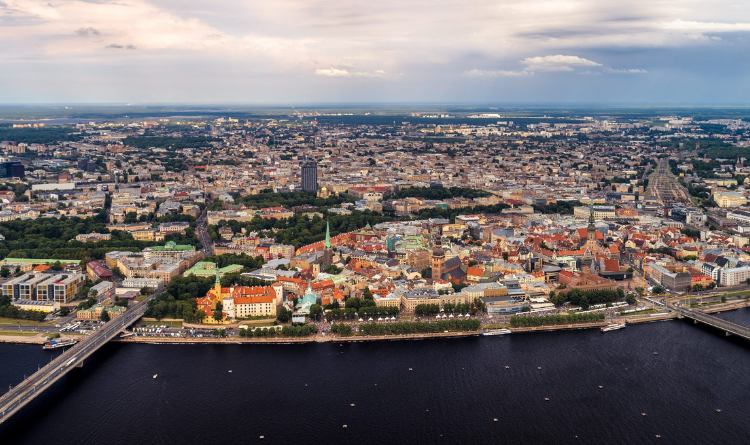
x=25, y=338
x=289, y=340
x=31, y=338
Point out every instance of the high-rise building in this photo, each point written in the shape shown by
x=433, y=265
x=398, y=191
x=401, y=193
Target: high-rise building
x=309, y=176
x=12, y=169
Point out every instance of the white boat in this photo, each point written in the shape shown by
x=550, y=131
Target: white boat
x=52, y=344
x=502, y=331
x=613, y=327
x=155, y=375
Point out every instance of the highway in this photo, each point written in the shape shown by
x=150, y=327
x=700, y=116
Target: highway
x=18, y=397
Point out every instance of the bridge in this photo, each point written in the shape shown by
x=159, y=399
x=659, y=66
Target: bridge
x=728, y=327
x=18, y=397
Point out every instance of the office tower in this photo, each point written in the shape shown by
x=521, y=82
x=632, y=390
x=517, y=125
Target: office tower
x=309, y=176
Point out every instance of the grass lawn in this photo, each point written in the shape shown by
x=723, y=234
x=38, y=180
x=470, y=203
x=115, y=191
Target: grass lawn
x=19, y=333
x=172, y=324
x=262, y=322
x=15, y=321
x=643, y=312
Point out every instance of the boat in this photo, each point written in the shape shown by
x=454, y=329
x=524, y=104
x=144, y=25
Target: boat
x=502, y=331
x=613, y=327
x=155, y=375
x=52, y=344
x=126, y=334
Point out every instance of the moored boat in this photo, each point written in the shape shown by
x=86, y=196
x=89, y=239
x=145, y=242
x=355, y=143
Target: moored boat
x=53, y=344
x=490, y=332
x=613, y=327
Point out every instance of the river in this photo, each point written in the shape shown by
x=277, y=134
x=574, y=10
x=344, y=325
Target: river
x=455, y=389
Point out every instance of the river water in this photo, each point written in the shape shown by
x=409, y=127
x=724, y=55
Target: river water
x=452, y=394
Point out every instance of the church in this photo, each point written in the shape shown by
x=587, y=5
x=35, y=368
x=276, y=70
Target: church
x=591, y=247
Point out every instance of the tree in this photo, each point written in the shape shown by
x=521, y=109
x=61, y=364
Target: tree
x=105, y=316
x=657, y=290
x=639, y=290
x=723, y=298
x=116, y=271
x=145, y=290
x=425, y=271
x=333, y=270
x=56, y=266
x=316, y=311
x=630, y=299
x=284, y=315
x=367, y=295
x=353, y=303
x=65, y=310
x=219, y=312
x=4, y=272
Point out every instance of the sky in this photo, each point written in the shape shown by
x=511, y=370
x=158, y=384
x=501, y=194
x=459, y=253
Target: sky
x=610, y=52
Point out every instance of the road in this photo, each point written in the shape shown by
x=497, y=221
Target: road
x=23, y=393
x=202, y=232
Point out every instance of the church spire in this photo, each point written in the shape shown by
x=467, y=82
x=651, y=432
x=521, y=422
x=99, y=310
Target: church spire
x=218, y=281
x=591, y=212
x=328, y=235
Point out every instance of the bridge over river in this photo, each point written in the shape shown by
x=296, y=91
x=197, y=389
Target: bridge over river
x=22, y=394
x=728, y=327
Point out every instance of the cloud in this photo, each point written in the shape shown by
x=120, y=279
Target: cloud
x=236, y=43
x=497, y=73
x=340, y=72
x=557, y=63
x=625, y=71
x=87, y=31
x=332, y=72
x=116, y=46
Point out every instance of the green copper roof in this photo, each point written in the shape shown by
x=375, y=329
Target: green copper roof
x=171, y=245
x=207, y=268
x=328, y=235
x=39, y=261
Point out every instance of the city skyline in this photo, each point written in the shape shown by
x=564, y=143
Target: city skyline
x=139, y=51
